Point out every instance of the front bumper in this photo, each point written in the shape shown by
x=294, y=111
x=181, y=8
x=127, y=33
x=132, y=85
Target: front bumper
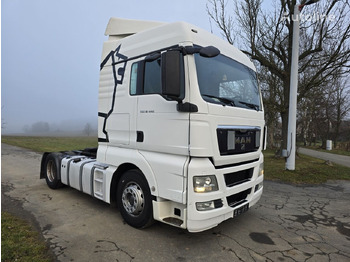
x=235, y=197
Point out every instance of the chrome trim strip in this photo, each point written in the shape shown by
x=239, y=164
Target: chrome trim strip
x=240, y=127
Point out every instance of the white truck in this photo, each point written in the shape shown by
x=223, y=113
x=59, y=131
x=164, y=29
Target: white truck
x=180, y=129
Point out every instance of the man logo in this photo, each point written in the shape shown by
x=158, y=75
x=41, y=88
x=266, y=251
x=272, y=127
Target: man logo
x=243, y=141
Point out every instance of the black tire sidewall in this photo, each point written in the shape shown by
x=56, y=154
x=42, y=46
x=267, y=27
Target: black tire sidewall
x=146, y=216
x=56, y=183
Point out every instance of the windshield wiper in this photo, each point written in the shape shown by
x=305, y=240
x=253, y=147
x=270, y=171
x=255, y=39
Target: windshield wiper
x=224, y=100
x=253, y=106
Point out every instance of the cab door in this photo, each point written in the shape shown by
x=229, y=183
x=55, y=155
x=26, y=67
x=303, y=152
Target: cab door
x=160, y=126
x=162, y=132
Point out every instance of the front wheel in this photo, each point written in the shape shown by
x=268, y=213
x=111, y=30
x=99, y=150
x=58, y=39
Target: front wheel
x=134, y=199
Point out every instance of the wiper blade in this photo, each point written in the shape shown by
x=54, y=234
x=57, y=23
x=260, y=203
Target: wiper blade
x=224, y=100
x=253, y=106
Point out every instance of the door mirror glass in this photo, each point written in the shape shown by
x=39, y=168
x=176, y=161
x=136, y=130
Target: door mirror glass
x=172, y=75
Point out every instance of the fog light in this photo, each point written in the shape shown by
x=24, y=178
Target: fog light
x=204, y=206
x=202, y=184
x=258, y=186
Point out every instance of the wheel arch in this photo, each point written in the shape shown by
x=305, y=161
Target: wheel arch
x=120, y=160
x=42, y=165
x=115, y=180
x=118, y=174
x=58, y=158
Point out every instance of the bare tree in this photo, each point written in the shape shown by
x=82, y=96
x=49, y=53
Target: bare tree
x=3, y=123
x=322, y=113
x=339, y=106
x=269, y=85
x=87, y=129
x=266, y=36
x=40, y=127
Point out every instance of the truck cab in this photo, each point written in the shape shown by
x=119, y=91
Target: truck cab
x=180, y=127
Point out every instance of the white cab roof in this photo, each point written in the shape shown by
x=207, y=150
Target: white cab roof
x=139, y=37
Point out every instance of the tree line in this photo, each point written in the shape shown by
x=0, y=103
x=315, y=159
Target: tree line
x=44, y=128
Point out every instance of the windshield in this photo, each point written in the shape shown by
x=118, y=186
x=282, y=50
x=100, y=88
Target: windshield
x=224, y=81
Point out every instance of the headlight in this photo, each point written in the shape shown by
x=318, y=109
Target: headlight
x=202, y=184
x=261, y=169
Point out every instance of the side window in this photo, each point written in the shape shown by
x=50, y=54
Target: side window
x=146, y=77
x=152, y=83
x=133, y=79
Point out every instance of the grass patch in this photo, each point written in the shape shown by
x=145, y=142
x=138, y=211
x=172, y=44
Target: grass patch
x=19, y=242
x=50, y=144
x=308, y=170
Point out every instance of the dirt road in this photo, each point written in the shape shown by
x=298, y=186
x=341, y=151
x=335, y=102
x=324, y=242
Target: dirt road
x=289, y=223
x=338, y=159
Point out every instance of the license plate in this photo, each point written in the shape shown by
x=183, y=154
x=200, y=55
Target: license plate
x=241, y=210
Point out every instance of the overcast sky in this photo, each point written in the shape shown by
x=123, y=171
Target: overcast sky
x=51, y=52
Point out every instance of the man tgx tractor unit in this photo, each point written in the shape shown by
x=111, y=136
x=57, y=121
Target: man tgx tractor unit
x=180, y=129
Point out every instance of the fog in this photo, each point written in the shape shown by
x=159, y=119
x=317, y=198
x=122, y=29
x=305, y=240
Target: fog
x=72, y=127
x=51, y=52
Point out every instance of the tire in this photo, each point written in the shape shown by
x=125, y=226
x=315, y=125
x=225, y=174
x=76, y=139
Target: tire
x=51, y=172
x=134, y=199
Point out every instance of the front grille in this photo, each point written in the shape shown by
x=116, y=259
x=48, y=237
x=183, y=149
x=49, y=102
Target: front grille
x=235, y=140
x=237, y=199
x=239, y=177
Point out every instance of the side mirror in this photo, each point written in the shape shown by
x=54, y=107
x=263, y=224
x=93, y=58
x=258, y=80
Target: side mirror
x=172, y=74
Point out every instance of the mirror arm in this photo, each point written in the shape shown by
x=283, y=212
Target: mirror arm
x=190, y=50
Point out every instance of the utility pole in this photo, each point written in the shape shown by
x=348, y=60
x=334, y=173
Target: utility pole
x=293, y=93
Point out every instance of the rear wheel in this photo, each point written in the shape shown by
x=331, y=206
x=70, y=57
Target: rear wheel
x=134, y=199
x=51, y=172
